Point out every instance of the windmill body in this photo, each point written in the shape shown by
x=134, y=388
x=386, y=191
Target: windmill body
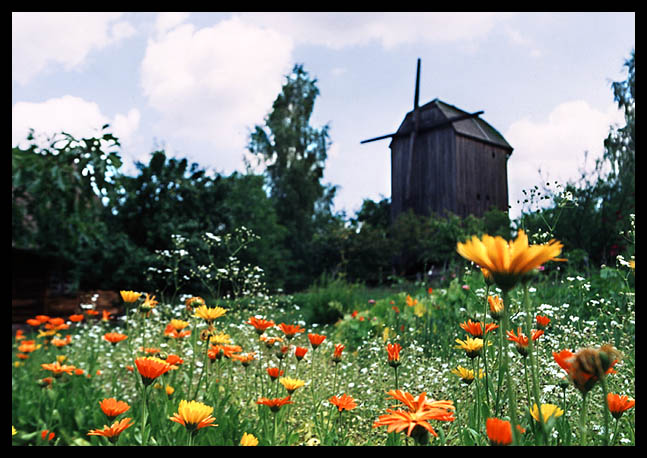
x=446, y=159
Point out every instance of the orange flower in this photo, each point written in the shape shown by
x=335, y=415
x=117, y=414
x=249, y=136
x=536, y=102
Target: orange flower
x=274, y=404
x=270, y=341
x=344, y=402
x=274, y=372
x=42, y=319
x=498, y=431
x=496, y=307
x=33, y=322
x=478, y=329
x=105, y=315
x=45, y=436
x=19, y=334
x=174, y=360
x=619, y=404
x=506, y=261
x=393, y=354
x=193, y=300
x=114, y=337
x=76, y=318
x=260, y=324
x=56, y=324
x=336, y=357
x=415, y=418
x=61, y=342
x=28, y=346
x=542, y=321
x=300, y=352
x=150, y=368
x=113, y=408
x=217, y=351
x=193, y=415
x=411, y=302
x=92, y=312
x=112, y=432
x=290, y=330
x=58, y=369
x=521, y=340
x=129, y=296
x=585, y=367
x=245, y=359
x=316, y=340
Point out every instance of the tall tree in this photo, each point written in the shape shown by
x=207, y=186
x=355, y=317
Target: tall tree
x=294, y=155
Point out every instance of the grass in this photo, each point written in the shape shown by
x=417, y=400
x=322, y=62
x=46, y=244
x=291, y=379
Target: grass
x=585, y=310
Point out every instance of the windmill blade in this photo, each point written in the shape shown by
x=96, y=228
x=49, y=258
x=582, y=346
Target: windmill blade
x=412, y=138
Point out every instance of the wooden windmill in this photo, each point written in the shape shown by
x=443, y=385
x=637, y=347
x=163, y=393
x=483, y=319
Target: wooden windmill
x=446, y=159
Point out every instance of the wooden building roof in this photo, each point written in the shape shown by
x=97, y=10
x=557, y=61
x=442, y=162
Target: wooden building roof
x=437, y=113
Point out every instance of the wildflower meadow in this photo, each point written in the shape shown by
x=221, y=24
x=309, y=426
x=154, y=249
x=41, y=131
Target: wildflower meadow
x=510, y=351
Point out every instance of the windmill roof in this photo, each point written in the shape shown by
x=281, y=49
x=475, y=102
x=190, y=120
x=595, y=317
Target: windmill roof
x=474, y=127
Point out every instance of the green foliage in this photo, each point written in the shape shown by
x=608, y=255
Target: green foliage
x=294, y=155
x=57, y=194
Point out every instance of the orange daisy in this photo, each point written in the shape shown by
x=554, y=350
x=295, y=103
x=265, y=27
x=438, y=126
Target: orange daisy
x=113, y=432
x=76, y=318
x=57, y=369
x=274, y=372
x=344, y=402
x=129, y=296
x=498, y=431
x=393, y=354
x=300, y=352
x=270, y=341
x=478, y=329
x=316, y=340
x=113, y=408
x=150, y=368
x=336, y=357
x=114, y=337
x=290, y=330
x=585, y=367
x=245, y=359
x=619, y=404
x=415, y=420
x=274, y=404
x=260, y=324
x=542, y=321
x=522, y=341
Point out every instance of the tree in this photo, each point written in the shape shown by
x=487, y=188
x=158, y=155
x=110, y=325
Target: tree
x=294, y=155
x=58, y=201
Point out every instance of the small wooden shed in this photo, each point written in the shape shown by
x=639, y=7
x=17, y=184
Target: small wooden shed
x=446, y=159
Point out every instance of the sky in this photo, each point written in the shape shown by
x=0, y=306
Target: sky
x=196, y=84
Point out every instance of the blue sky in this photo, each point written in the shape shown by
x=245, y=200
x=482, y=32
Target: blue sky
x=195, y=84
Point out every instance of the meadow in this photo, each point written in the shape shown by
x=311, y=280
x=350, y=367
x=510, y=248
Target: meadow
x=418, y=363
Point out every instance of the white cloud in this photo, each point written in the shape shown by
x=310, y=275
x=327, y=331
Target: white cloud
x=342, y=29
x=215, y=83
x=556, y=145
x=39, y=40
x=73, y=115
x=165, y=21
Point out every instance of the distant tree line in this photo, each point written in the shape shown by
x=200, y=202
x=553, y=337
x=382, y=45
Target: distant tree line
x=70, y=201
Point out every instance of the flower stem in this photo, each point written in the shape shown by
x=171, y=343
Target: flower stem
x=531, y=355
x=603, y=383
x=512, y=402
x=583, y=430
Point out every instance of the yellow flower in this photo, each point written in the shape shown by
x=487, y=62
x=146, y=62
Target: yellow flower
x=291, y=384
x=471, y=346
x=178, y=325
x=193, y=415
x=209, y=313
x=547, y=411
x=466, y=375
x=129, y=296
x=13, y=431
x=506, y=261
x=419, y=309
x=220, y=338
x=248, y=440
